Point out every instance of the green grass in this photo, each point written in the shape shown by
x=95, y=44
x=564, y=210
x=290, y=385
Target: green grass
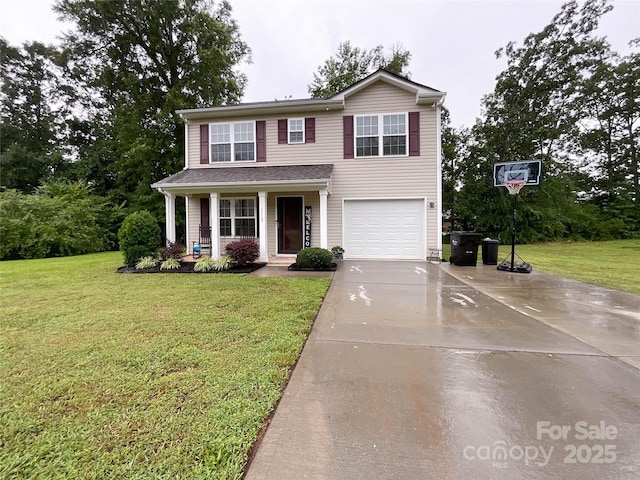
x=141, y=376
x=613, y=264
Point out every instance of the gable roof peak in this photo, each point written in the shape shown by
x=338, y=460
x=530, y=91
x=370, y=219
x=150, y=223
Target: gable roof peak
x=424, y=94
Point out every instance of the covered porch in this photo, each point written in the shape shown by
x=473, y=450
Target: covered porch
x=282, y=208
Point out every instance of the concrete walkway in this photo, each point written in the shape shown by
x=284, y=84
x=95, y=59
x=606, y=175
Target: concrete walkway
x=416, y=370
x=282, y=271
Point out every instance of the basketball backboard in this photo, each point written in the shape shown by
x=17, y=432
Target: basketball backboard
x=529, y=171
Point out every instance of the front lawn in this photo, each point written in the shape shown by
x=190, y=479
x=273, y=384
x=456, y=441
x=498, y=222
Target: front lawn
x=161, y=376
x=613, y=264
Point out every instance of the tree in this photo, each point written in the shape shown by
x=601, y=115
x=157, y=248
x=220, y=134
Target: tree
x=609, y=136
x=534, y=107
x=455, y=144
x=539, y=108
x=140, y=61
x=352, y=64
x=34, y=108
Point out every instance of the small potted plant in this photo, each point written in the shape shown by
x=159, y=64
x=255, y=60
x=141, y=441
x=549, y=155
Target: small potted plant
x=337, y=253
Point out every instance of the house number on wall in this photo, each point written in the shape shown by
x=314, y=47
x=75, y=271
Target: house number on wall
x=307, y=227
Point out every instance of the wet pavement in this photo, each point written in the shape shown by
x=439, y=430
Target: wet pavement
x=282, y=271
x=429, y=371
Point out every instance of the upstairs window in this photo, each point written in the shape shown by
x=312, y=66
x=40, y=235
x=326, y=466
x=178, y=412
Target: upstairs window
x=296, y=130
x=381, y=135
x=394, y=135
x=232, y=142
x=367, y=137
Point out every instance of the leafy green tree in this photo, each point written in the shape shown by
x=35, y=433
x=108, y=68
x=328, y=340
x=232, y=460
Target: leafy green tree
x=533, y=110
x=140, y=61
x=609, y=137
x=455, y=144
x=34, y=109
x=557, y=99
x=352, y=64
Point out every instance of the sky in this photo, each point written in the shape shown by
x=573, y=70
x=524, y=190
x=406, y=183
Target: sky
x=452, y=42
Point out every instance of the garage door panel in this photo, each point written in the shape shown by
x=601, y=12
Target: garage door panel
x=384, y=229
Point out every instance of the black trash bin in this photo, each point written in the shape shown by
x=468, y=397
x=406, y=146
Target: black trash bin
x=490, y=251
x=464, y=248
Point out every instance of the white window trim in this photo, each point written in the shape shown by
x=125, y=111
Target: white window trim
x=380, y=134
x=233, y=217
x=304, y=133
x=231, y=138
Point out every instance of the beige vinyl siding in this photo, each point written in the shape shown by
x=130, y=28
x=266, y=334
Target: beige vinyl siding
x=193, y=221
x=387, y=177
x=193, y=144
x=370, y=177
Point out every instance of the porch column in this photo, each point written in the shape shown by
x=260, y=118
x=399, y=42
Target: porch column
x=323, y=218
x=214, y=221
x=262, y=226
x=170, y=216
x=187, y=237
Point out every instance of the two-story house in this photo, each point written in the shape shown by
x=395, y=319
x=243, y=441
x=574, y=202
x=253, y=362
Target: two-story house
x=361, y=169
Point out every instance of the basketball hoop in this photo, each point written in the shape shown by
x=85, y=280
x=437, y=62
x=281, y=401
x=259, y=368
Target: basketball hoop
x=514, y=186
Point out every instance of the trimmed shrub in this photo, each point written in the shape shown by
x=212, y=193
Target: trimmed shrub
x=243, y=251
x=139, y=236
x=314, y=257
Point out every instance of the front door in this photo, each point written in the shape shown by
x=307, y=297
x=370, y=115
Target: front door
x=289, y=224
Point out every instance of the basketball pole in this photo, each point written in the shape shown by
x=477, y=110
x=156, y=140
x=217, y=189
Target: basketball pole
x=513, y=231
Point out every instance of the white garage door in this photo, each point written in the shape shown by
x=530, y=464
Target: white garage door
x=393, y=229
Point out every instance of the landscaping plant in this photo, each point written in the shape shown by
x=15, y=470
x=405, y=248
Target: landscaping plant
x=222, y=263
x=243, y=251
x=314, y=257
x=173, y=250
x=204, y=264
x=139, y=236
x=170, y=264
x=145, y=263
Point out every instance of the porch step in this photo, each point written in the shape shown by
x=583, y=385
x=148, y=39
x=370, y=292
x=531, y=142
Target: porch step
x=284, y=261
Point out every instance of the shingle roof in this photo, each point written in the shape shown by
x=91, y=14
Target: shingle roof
x=253, y=174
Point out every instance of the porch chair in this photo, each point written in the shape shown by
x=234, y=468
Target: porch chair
x=204, y=241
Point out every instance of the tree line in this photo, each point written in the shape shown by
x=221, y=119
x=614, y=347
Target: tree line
x=567, y=99
x=92, y=119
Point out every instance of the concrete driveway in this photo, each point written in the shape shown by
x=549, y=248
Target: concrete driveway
x=416, y=370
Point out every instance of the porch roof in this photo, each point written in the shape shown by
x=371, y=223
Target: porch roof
x=247, y=176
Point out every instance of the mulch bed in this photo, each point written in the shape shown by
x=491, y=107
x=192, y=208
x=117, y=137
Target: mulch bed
x=187, y=267
x=295, y=268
